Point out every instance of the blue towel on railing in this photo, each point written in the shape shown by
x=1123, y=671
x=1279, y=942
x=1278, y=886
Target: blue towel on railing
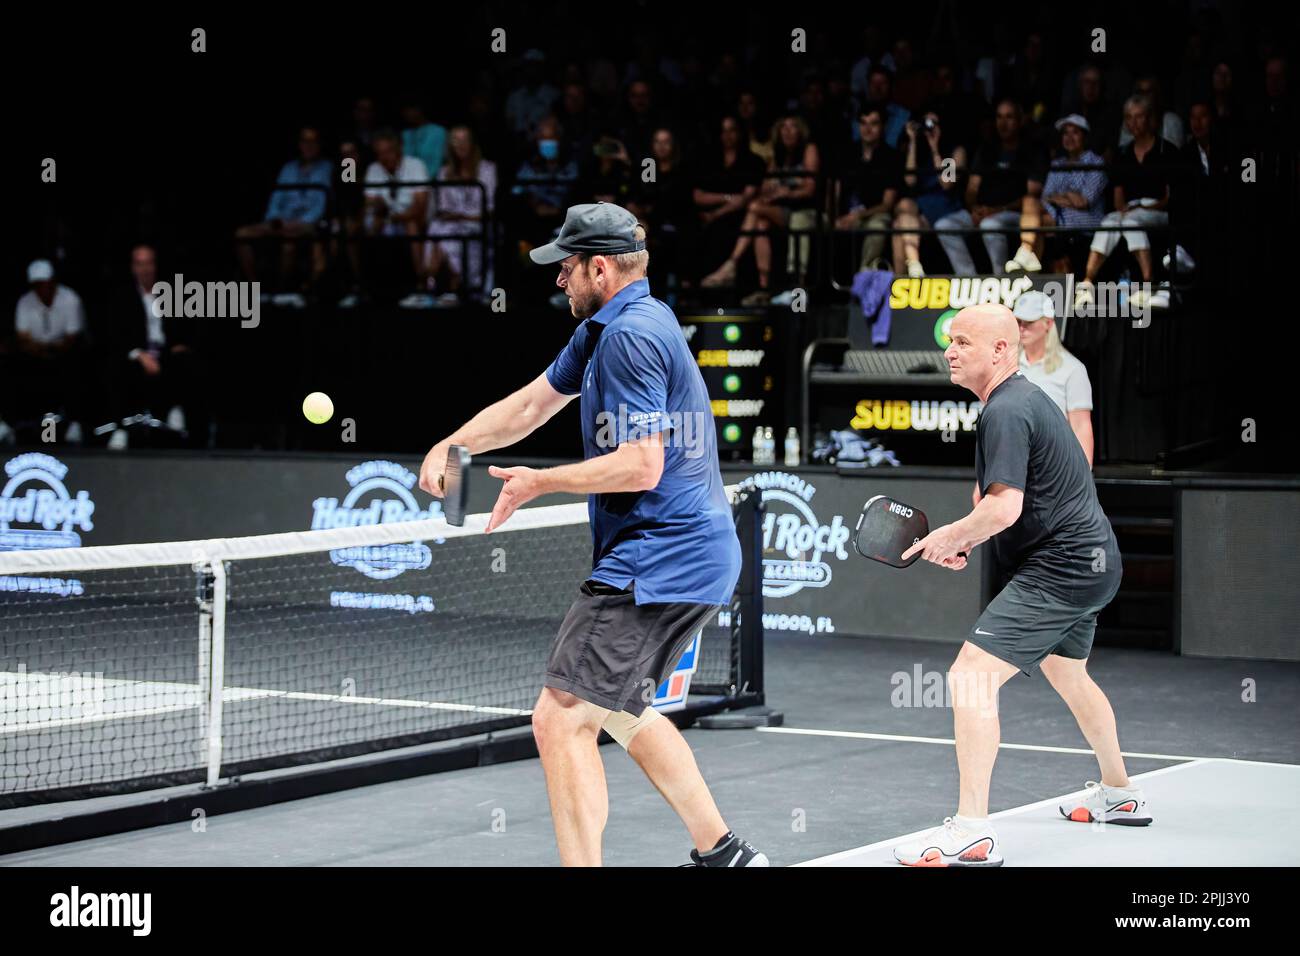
x=871, y=289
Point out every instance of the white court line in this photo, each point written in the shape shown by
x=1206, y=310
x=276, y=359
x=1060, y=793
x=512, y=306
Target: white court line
x=153, y=698
x=1042, y=748
x=1050, y=801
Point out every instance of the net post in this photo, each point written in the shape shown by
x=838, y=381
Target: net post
x=216, y=670
x=203, y=581
x=749, y=592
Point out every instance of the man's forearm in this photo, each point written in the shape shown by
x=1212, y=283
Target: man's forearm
x=498, y=425
x=604, y=474
x=988, y=518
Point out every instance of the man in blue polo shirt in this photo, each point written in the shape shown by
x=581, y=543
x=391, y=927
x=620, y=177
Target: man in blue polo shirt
x=664, y=549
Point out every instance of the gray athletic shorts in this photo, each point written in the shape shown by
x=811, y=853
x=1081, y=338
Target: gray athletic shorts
x=614, y=652
x=1024, y=624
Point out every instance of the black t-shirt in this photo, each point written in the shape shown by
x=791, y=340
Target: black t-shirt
x=869, y=179
x=1062, y=542
x=747, y=170
x=1147, y=179
x=1005, y=174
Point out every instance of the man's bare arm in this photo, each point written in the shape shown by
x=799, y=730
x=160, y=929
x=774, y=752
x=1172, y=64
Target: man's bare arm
x=1081, y=425
x=995, y=512
x=633, y=466
x=501, y=423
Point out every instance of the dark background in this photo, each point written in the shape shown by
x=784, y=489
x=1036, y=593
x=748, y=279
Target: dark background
x=155, y=143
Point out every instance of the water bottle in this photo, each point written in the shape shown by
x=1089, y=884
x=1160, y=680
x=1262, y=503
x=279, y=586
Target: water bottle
x=792, y=448
x=757, y=456
x=769, y=447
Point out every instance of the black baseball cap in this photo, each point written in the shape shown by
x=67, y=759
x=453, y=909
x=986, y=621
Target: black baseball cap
x=592, y=229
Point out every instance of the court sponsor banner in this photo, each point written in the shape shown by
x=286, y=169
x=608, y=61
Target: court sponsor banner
x=923, y=309
x=41, y=507
x=815, y=585
x=379, y=492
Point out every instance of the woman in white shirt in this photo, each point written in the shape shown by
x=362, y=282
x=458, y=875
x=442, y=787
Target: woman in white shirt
x=1049, y=365
x=462, y=211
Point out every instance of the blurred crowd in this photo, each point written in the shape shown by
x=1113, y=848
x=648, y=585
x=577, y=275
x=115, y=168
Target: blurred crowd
x=754, y=174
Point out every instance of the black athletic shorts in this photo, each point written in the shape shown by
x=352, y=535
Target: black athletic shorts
x=614, y=653
x=1025, y=623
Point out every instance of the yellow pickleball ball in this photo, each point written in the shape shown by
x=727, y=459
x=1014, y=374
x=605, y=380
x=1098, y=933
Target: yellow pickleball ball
x=318, y=408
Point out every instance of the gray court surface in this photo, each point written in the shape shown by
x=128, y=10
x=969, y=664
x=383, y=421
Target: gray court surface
x=864, y=759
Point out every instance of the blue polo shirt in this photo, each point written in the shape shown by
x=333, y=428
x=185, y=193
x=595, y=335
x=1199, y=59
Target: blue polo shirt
x=636, y=375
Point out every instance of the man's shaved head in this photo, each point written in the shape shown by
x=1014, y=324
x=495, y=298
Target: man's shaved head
x=985, y=348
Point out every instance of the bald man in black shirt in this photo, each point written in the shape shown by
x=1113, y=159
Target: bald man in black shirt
x=1035, y=501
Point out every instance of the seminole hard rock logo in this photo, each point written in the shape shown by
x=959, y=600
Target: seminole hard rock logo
x=795, y=543
x=921, y=416
x=381, y=493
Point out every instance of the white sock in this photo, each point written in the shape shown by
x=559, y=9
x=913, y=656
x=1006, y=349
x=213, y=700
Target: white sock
x=972, y=823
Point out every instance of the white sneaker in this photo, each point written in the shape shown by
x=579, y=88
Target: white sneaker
x=417, y=300
x=782, y=298
x=952, y=845
x=1024, y=259
x=1101, y=804
x=349, y=301
x=118, y=440
x=915, y=270
x=73, y=434
x=6, y=433
x=448, y=300
x=176, y=418
x=1183, y=258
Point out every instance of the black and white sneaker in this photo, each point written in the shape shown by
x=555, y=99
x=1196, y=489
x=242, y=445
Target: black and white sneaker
x=731, y=850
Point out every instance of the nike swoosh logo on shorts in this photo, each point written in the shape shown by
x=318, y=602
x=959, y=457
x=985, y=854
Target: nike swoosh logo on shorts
x=985, y=633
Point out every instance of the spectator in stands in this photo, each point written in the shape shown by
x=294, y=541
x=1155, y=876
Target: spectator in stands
x=961, y=110
x=462, y=211
x=577, y=119
x=349, y=210
x=293, y=216
x=1223, y=98
x=825, y=129
x=664, y=206
x=1003, y=173
x=880, y=92
x=639, y=122
x=787, y=199
x=1071, y=197
x=1089, y=101
x=874, y=57
x=912, y=83
x=727, y=184
x=396, y=203
x=544, y=183
x=753, y=130
x=1031, y=81
x=932, y=171
x=1275, y=118
x=605, y=174
x=1199, y=197
x=873, y=188
x=151, y=363
x=1170, y=126
x=43, y=374
x=1050, y=366
x=364, y=125
x=532, y=100
x=1142, y=176
x=421, y=137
